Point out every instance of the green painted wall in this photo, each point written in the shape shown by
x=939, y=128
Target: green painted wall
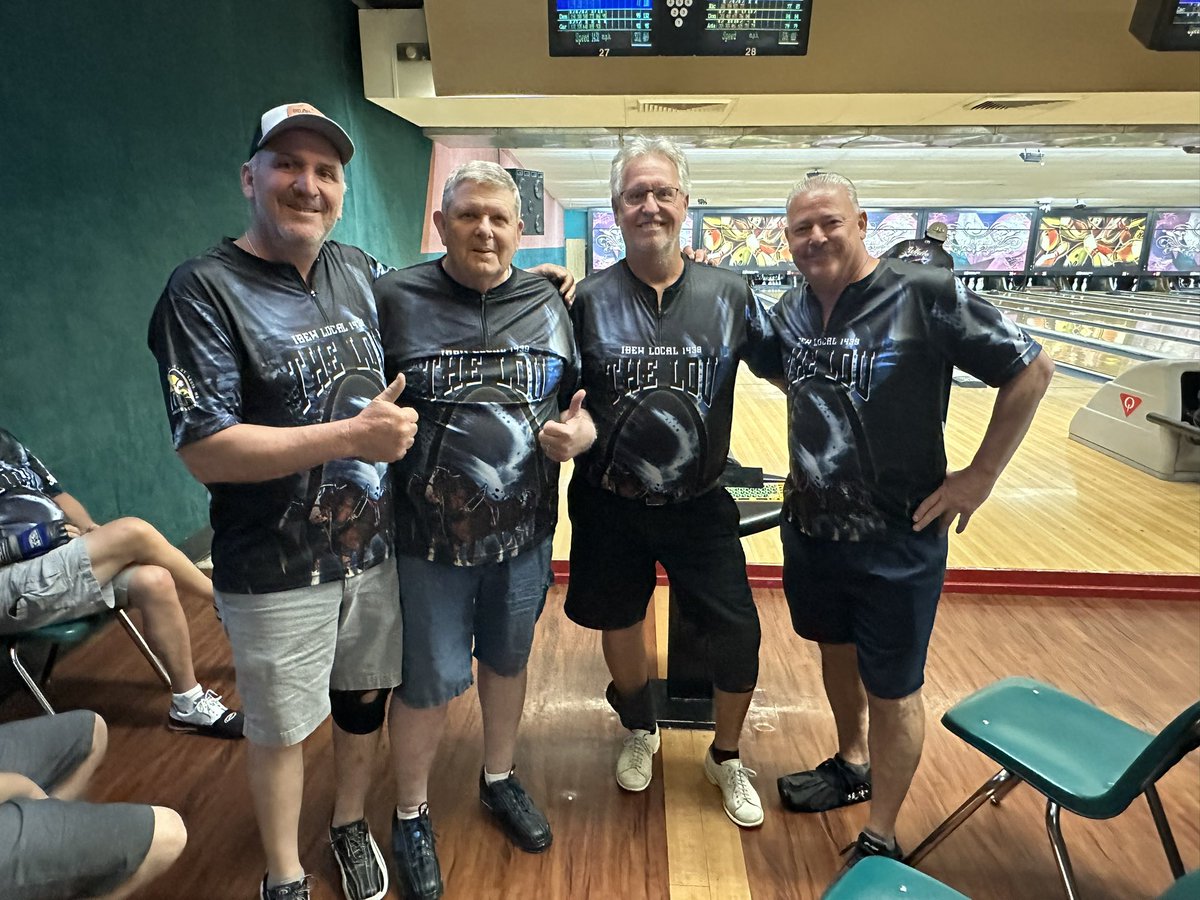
x=124, y=126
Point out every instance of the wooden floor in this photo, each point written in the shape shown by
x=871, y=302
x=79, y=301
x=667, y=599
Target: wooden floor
x=1060, y=506
x=1139, y=660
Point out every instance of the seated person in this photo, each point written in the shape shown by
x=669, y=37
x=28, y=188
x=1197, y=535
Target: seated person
x=125, y=562
x=53, y=846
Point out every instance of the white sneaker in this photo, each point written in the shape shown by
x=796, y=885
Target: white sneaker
x=741, y=799
x=635, y=765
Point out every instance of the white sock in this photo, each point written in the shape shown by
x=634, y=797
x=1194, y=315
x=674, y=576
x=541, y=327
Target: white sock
x=489, y=778
x=408, y=814
x=186, y=701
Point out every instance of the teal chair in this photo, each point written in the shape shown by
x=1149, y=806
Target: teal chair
x=878, y=878
x=66, y=633
x=1079, y=757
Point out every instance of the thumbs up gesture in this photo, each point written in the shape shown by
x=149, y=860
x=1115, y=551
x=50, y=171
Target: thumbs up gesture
x=384, y=430
x=572, y=434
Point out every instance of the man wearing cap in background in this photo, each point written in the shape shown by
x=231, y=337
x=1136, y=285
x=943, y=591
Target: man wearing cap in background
x=928, y=250
x=272, y=372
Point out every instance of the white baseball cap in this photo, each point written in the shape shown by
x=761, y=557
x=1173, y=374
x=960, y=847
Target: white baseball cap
x=301, y=115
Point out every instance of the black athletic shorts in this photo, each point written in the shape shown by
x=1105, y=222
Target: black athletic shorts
x=881, y=596
x=615, y=543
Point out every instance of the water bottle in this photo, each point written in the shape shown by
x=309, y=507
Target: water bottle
x=37, y=540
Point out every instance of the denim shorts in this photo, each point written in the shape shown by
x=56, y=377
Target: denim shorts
x=448, y=610
x=881, y=596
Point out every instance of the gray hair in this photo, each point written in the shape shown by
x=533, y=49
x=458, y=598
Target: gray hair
x=643, y=146
x=478, y=171
x=824, y=181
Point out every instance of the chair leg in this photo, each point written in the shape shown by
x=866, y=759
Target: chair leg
x=1000, y=783
x=29, y=682
x=1003, y=790
x=137, y=638
x=1054, y=829
x=1164, y=832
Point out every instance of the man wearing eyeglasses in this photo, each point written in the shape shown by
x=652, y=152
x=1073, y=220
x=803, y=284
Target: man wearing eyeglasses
x=660, y=338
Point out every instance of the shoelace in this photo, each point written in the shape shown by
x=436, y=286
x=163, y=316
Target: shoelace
x=513, y=795
x=354, y=843
x=303, y=892
x=739, y=780
x=210, y=706
x=640, y=746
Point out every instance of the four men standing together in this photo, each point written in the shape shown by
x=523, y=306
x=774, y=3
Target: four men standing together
x=338, y=411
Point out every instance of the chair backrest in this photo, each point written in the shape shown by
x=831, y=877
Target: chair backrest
x=1179, y=738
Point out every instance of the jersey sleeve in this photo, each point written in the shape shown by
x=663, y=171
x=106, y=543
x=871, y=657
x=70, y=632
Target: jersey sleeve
x=976, y=336
x=198, y=367
x=50, y=485
x=762, y=353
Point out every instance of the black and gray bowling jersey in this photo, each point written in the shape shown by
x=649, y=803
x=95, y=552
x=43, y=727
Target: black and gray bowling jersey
x=485, y=372
x=243, y=340
x=924, y=251
x=660, y=380
x=867, y=393
x=27, y=489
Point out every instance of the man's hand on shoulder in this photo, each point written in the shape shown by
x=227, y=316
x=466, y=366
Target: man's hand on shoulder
x=699, y=255
x=959, y=495
x=384, y=430
x=572, y=434
x=562, y=278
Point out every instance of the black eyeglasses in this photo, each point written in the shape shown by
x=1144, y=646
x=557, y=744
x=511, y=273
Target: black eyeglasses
x=635, y=197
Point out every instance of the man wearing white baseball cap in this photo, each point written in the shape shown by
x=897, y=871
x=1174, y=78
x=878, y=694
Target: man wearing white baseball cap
x=272, y=371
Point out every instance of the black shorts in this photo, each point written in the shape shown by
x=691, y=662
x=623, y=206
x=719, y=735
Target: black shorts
x=615, y=543
x=881, y=596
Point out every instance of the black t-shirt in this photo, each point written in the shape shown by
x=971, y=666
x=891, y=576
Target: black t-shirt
x=240, y=339
x=868, y=393
x=660, y=381
x=485, y=372
x=27, y=489
x=925, y=251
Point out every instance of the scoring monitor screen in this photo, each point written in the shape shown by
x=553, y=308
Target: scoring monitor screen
x=679, y=27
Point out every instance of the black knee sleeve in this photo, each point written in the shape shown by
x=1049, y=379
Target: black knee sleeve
x=636, y=711
x=354, y=713
x=734, y=657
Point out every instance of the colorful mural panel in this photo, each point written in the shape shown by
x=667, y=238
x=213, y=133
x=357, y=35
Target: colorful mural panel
x=1072, y=243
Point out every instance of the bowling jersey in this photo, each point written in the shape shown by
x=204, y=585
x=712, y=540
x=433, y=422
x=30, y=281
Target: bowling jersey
x=868, y=393
x=660, y=380
x=925, y=251
x=243, y=340
x=27, y=489
x=485, y=372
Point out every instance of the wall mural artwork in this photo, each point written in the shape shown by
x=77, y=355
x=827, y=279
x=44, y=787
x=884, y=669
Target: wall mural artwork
x=1175, y=241
x=747, y=241
x=987, y=240
x=607, y=244
x=1072, y=243
x=886, y=227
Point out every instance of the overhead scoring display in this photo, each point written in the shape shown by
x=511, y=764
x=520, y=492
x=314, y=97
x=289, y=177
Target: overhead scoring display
x=679, y=27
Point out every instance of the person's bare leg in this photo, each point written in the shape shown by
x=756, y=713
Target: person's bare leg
x=354, y=770
x=277, y=788
x=170, y=837
x=126, y=542
x=72, y=787
x=625, y=655
x=897, y=734
x=501, y=700
x=730, y=712
x=414, y=735
x=152, y=593
x=847, y=699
